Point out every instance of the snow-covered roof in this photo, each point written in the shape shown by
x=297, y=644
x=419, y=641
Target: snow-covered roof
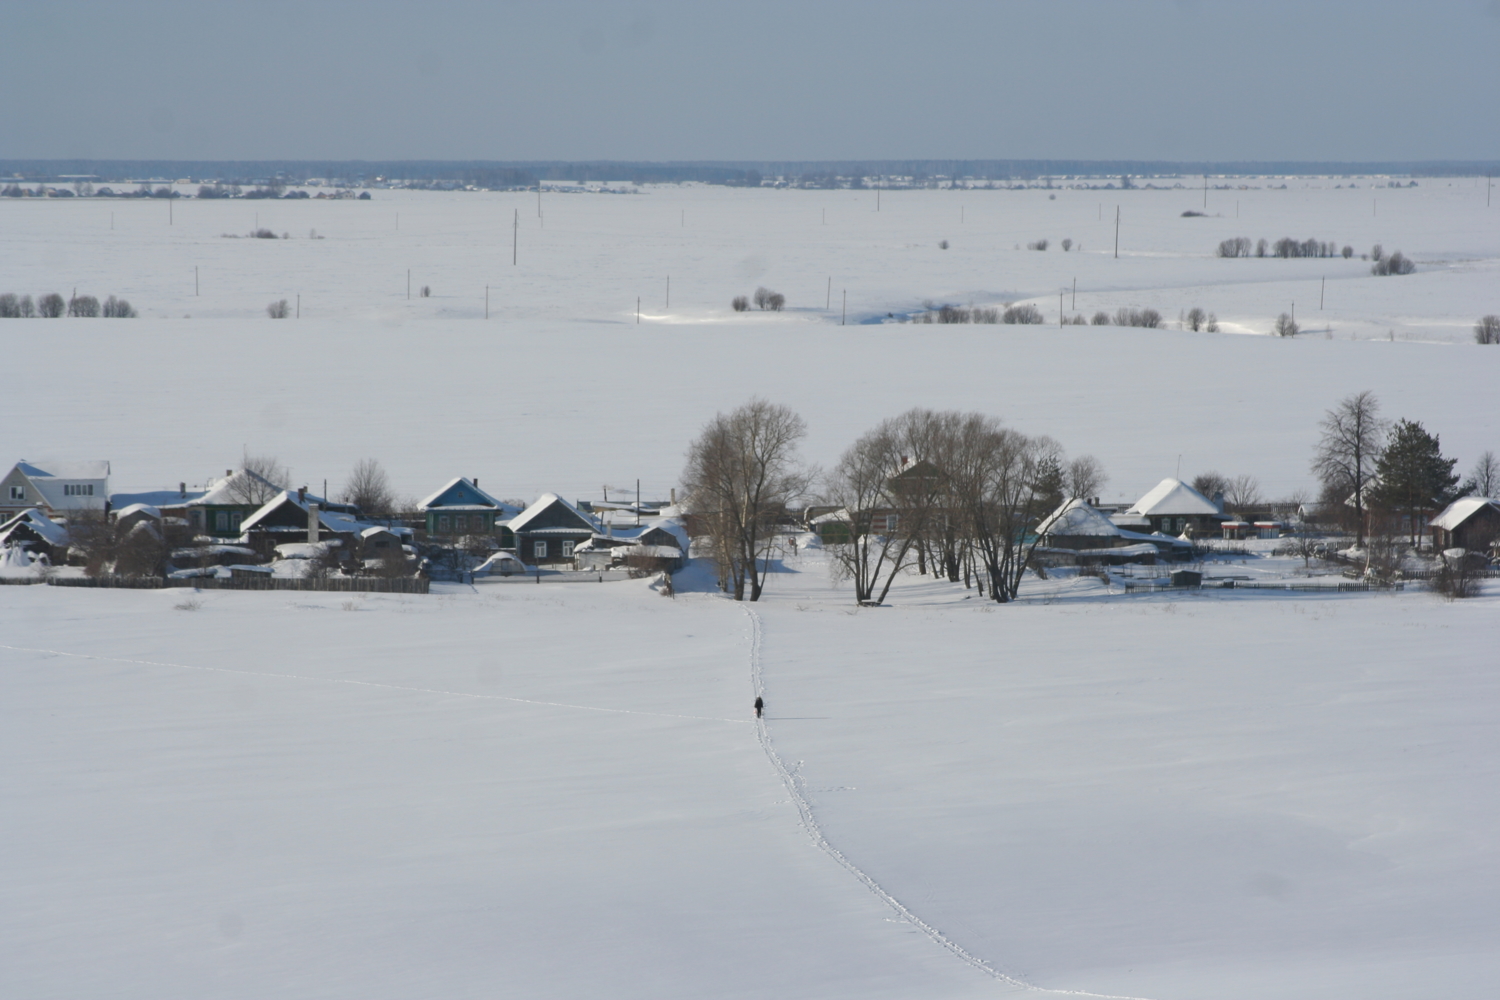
x=225, y=490
x=375, y=530
x=544, y=501
x=507, y=560
x=65, y=470
x=333, y=520
x=156, y=498
x=303, y=550
x=52, y=532
x=1461, y=510
x=1174, y=497
x=470, y=497
x=138, y=508
x=1075, y=518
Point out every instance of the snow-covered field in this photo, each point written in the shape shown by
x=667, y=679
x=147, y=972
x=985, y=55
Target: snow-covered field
x=562, y=390
x=524, y=790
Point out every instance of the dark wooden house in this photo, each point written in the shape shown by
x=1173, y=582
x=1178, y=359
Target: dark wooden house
x=547, y=532
x=1471, y=523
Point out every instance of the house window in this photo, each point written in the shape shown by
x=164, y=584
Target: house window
x=18, y=493
x=235, y=517
x=221, y=521
x=443, y=528
x=460, y=524
x=539, y=549
x=567, y=549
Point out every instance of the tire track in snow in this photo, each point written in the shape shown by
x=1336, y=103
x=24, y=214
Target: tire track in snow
x=794, y=786
x=371, y=684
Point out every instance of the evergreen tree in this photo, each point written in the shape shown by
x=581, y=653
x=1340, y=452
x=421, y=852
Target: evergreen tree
x=1050, y=485
x=1412, y=476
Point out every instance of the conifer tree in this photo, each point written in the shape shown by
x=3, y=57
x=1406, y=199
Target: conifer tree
x=1412, y=476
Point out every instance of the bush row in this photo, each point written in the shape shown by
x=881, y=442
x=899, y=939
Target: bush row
x=52, y=306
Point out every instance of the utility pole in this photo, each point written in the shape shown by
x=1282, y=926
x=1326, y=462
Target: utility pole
x=1321, y=289
x=1117, y=232
x=637, y=310
x=1060, y=294
x=828, y=299
x=1075, y=293
x=195, y=279
x=299, y=305
x=844, y=316
x=1205, y=192
x=515, y=237
x=669, y=291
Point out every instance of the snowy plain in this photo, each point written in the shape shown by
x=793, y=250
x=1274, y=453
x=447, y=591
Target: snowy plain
x=521, y=790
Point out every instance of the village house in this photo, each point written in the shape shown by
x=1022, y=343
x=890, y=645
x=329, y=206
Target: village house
x=547, y=532
x=1471, y=523
x=291, y=517
x=460, y=508
x=1172, y=507
x=54, y=487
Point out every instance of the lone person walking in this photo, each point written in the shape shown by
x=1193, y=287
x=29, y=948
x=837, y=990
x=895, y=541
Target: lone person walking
x=760, y=705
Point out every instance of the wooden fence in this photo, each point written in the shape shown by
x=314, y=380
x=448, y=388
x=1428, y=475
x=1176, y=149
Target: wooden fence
x=337, y=584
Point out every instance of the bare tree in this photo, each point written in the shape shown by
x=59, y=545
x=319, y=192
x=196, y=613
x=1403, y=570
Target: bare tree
x=740, y=304
x=259, y=479
x=869, y=542
x=368, y=488
x=1243, y=492
x=1348, y=450
x=1086, y=477
x=1196, y=317
x=278, y=309
x=994, y=489
x=742, y=472
x=1487, y=330
x=1211, y=484
x=1396, y=263
x=1484, y=480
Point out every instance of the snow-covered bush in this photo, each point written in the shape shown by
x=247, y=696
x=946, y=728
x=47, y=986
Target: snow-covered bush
x=1285, y=326
x=277, y=310
x=1396, y=263
x=83, y=305
x=1026, y=313
x=51, y=306
x=740, y=304
x=118, y=308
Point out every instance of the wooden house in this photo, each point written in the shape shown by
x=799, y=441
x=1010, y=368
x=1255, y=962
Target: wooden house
x=222, y=509
x=1077, y=525
x=296, y=517
x=460, y=508
x=547, y=532
x=1471, y=523
x=1173, y=507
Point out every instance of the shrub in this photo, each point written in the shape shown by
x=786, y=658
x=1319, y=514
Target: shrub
x=1260, y=248
x=942, y=244
x=1196, y=318
x=1348, y=252
x=1148, y=318
x=740, y=304
x=118, y=308
x=1285, y=326
x=1101, y=318
x=1037, y=245
x=277, y=310
x=1075, y=321
x=51, y=306
x=83, y=305
x=1067, y=245
x=1193, y=214
x=1394, y=264
x=263, y=234
x=1239, y=246
x=426, y=291
x=1025, y=314
x=10, y=306
x=1377, y=252
x=1487, y=330
x=1212, y=326
x=27, y=309
x=776, y=301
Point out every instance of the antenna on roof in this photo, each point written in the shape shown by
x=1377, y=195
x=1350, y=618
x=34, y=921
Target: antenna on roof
x=1179, y=468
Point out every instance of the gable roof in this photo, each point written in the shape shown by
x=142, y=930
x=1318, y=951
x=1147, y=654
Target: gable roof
x=331, y=520
x=1075, y=517
x=546, y=502
x=1175, y=497
x=64, y=470
x=459, y=493
x=222, y=491
x=42, y=525
x=1461, y=510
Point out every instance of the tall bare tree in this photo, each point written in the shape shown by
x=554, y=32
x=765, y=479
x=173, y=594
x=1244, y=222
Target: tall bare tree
x=996, y=492
x=1243, y=492
x=1086, y=477
x=1484, y=480
x=259, y=479
x=742, y=472
x=368, y=488
x=1348, y=450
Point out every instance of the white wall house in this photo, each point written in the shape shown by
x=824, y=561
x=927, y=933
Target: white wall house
x=56, y=487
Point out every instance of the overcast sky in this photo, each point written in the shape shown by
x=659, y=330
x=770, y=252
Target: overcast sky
x=809, y=80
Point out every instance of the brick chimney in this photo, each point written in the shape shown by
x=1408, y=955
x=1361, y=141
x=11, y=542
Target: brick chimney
x=312, y=523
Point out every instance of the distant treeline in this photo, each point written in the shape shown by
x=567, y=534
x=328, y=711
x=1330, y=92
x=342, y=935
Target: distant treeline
x=513, y=174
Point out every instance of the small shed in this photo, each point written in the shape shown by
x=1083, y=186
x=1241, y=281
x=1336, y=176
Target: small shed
x=1471, y=523
x=37, y=534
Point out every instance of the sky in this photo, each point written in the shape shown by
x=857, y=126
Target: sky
x=774, y=80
